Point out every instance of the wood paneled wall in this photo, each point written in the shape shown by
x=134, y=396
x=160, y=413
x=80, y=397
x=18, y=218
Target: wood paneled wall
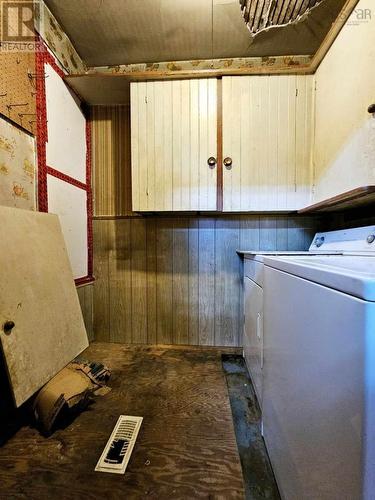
x=267, y=131
x=86, y=299
x=169, y=279
x=177, y=280
x=174, y=133
x=111, y=160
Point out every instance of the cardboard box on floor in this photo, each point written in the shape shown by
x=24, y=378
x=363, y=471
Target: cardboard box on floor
x=72, y=388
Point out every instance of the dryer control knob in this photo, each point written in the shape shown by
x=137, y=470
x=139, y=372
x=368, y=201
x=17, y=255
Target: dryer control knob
x=371, y=238
x=319, y=241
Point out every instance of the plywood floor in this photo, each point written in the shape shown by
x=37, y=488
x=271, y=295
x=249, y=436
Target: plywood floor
x=186, y=447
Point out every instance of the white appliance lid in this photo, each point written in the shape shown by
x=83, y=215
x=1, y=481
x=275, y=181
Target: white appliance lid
x=351, y=274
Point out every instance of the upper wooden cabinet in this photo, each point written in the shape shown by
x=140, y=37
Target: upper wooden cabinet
x=173, y=134
x=261, y=128
x=267, y=134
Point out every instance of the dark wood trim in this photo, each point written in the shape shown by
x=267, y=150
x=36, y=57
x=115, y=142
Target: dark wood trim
x=345, y=201
x=219, y=181
x=85, y=282
x=205, y=215
x=88, y=280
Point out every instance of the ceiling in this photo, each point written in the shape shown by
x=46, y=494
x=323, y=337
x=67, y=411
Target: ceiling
x=111, y=32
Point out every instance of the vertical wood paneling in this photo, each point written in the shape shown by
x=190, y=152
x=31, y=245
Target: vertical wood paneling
x=180, y=311
x=212, y=143
x=141, y=138
x=256, y=148
x=178, y=280
x=166, y=168
x=261, y=162
x=159, y=185
x=301, y=231
x=85, y=295
x=112, y=187
x=274, y=121
x=102, y=283
x=267, y=233
x=281, y=233
x=206, y=281
x=174, y=132
x=134, y=126
x=194, y=144
x=202, y=109
x=139, y=281
x=246, y=128
x=291, y=182
x=234, y=152
x=89, y=311
x=151, y=200
x=249, y=232
x=304, y=131
x=164, y=281
x=151, y=282
x=227, y=282
x=185, y=162
x=176, y=144
x=119, y=275
x=193, y=281
x=267, y=132
x=228, y=96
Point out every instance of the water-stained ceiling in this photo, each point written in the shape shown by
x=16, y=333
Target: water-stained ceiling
x=111, y=32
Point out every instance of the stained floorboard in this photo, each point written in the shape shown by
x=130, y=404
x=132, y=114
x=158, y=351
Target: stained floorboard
x=186, y=447
x=260, y=483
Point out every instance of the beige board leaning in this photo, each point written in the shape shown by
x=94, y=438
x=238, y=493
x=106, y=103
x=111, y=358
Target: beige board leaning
x=41, y=324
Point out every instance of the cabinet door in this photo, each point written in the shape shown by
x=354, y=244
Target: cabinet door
x=253, y=334
x=174, y=132
x=267, y=132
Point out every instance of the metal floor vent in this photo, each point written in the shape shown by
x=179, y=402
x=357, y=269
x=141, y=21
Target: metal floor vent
x=117, y=452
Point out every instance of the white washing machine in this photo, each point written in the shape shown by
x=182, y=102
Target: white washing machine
x=322, y=243
x=319, y=370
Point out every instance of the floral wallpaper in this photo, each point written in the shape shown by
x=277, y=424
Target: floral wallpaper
x=58, y=42
x=17, y=167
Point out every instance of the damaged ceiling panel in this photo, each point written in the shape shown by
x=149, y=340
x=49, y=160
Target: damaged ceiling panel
x=260, y=15
x=114, y=32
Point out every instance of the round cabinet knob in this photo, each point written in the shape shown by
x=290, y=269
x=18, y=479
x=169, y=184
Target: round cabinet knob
x=228, y=163
x=371, y=109
x=211, y=162
x=8, y=327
